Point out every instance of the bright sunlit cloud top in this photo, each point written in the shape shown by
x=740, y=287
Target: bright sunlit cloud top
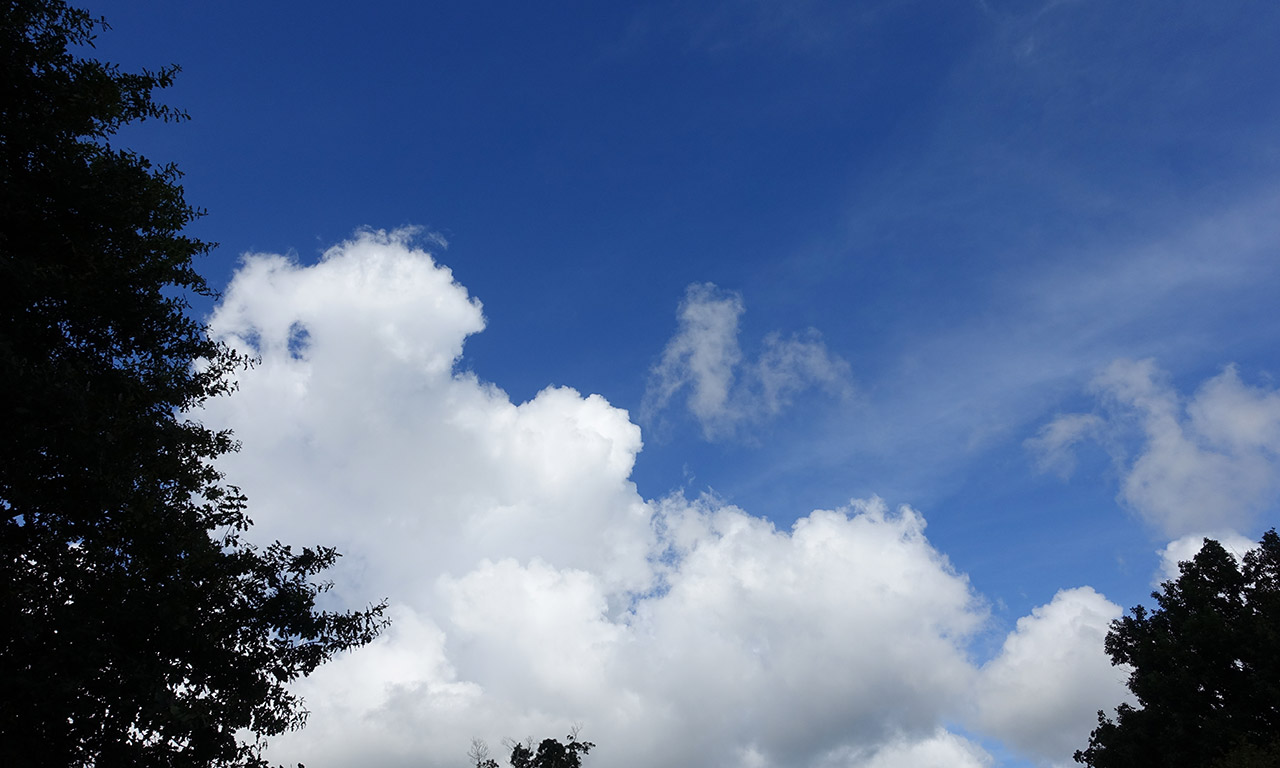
x=765, y=288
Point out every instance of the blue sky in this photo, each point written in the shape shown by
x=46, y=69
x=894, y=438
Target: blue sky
x=936, y=230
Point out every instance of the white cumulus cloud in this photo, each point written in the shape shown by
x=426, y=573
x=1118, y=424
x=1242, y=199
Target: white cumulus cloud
x=941, y=749
x=1187, y=547
x=531, y=586
x=1042, y=692
x=1208, y=462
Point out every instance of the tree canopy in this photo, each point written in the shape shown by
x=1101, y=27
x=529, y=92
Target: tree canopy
x=137, y=626
x=1206, y=668
x=551, y=753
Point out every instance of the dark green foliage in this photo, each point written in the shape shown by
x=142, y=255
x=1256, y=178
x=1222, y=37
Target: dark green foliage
x=1206, y=668
x=550, y=754
x=136, y=627
x=1251, y=755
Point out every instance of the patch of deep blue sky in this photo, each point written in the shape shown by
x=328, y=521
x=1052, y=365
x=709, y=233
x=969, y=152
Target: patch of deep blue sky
x=978, y=204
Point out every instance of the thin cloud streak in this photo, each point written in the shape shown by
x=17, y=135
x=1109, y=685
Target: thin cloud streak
x=1032, y=336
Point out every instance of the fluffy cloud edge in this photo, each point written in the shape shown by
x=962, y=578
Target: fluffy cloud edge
x=532, y=585
x=1210, y=461
x=1041, y=693
x=726, y=394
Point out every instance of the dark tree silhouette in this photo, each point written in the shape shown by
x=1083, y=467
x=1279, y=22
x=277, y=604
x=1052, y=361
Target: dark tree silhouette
x=1206, y=668
x=136, y=626
x=550, y=754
